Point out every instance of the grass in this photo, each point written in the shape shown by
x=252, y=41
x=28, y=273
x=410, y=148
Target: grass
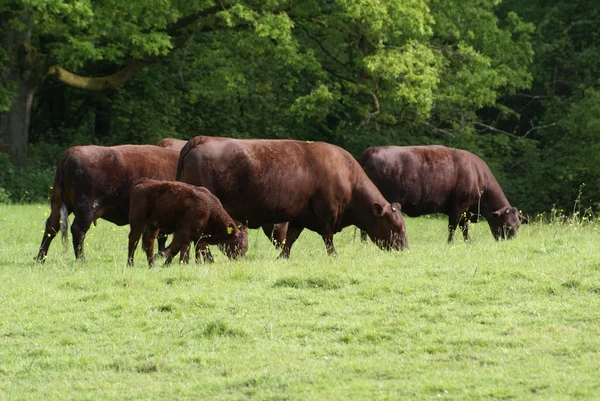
x=482, y=321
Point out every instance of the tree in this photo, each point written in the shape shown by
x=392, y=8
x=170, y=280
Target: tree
x=339, y=70
x=42, y=39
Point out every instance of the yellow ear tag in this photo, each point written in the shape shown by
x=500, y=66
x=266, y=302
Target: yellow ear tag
x=229, y=230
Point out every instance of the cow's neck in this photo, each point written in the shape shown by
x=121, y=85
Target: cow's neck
x=493, y=198
x=360, y=210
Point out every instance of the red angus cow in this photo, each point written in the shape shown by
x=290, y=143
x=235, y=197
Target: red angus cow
x=437, y=179
x=317, y=185
x=95, y=182
x=191, y=213
x=275, y=233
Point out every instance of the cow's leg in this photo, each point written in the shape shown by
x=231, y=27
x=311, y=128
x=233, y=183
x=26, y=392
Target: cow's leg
x=276, y=233
x=52, y=227
x=464, y=226
x=184, y=255
x=203, y=253
x=457, y=215
x=328, y=239
x=293, y=232
x=81, y=225
x=453, y=220
x=150, y=234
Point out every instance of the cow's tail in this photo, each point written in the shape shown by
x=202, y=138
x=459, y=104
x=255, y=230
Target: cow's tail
x=64, y=222
x=191, y=144
x=57, y=204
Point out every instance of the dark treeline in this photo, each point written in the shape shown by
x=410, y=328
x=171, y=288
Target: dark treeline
x=514, y=82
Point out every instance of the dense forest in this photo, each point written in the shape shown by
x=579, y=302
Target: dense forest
x=515, y=82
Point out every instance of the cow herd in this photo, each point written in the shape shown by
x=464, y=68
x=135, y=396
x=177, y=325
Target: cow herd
x=208, y=190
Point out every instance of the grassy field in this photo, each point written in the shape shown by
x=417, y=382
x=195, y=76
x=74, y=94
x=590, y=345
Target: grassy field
x=481, y=321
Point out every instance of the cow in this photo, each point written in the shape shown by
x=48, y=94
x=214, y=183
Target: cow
x=95, y=182
x=312, y=185
x=276, y=233
x=438, y=179
x=191, y=213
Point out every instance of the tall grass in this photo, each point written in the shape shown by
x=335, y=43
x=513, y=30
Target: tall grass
x=486, y=320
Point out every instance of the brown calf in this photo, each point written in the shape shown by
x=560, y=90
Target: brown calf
x=191, y=213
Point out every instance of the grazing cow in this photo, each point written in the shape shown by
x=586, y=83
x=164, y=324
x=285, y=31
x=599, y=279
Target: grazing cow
x=276, y=233
x=191, y=213
x=310, y=185
x=437, y=179
x=95, y=182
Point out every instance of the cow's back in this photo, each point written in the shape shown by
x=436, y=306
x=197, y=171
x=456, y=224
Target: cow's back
x=102, y=177
x=264, y=181
x=424, y=179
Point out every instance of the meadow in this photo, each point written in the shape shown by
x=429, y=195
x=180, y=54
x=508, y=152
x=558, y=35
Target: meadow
x=481, y=321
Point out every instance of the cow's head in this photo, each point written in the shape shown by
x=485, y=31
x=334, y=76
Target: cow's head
x=235, y=244
x=505, y=222
x=387, y=228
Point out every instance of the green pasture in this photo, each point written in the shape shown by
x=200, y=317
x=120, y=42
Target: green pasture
x=482, y=321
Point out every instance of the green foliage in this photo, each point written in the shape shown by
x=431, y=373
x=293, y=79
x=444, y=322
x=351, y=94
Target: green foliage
x=487, y=320
x=355, y=73
x=30, y=183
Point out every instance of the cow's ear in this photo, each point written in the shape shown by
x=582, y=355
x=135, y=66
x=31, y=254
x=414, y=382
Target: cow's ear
x=500, y=211
x=378, y=209
x=523, y=219
x=230, y=228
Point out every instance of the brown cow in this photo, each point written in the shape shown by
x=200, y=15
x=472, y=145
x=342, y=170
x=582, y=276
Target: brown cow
x=310, y=185
x=95, y=182
x=191, y=213
x=437, y=179
x=276, y=233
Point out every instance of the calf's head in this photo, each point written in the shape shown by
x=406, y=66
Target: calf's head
x=505, y=222
x=235, y=245
x=387, y=228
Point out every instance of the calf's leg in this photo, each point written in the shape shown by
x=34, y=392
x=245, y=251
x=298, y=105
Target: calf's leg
x=162, y=243
x=179, y=240
x=150, y=234
x=135, y=232
x=203, y=253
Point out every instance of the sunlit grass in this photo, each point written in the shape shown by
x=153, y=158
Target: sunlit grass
x=487, y=320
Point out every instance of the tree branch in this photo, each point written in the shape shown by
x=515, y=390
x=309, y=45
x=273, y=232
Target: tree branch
x=121, y=77
x=97, y=84
x=513, y=135
x=445, y=131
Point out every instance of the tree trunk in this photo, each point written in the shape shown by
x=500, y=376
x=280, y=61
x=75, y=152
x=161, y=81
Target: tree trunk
x=19, y=76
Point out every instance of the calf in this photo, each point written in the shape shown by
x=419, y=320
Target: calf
x=317, y=185
x=437, y=179
x=190, y=212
